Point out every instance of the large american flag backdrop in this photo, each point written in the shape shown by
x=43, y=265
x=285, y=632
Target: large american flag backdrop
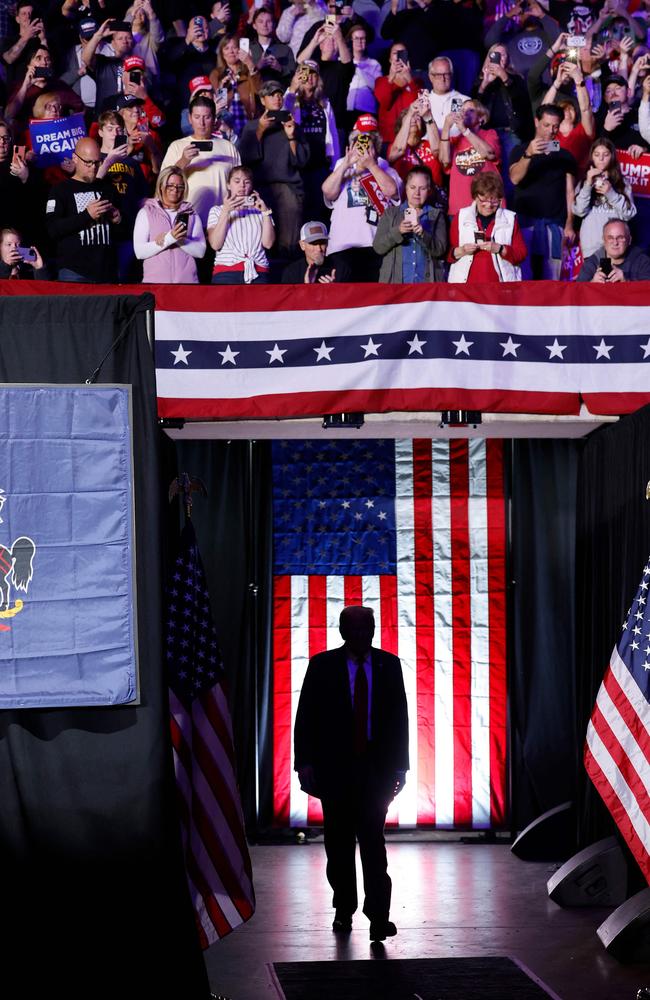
x=617, y=749
x=415, y=530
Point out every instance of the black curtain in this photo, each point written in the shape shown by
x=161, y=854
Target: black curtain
x=233, y=527
x=613, y=544
x=94, y=897
x=542, y=688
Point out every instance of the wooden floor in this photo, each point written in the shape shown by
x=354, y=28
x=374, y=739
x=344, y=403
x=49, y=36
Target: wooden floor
x=449, y=899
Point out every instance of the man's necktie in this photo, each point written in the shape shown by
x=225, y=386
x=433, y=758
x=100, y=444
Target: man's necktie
x=360, y=706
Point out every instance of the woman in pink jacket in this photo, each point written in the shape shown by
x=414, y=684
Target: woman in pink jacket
x=168, y=236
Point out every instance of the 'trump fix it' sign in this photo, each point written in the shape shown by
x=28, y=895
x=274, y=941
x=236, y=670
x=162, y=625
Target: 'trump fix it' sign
x=637, y=172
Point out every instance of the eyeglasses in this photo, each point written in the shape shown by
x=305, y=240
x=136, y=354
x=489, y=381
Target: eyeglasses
x=175, y=187
x=437, y=76
x=89, y=163
x=5, y=140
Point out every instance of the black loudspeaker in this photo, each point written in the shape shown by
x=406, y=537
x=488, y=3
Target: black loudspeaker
x=550, y=837
x=626, y=933
x=596, y=876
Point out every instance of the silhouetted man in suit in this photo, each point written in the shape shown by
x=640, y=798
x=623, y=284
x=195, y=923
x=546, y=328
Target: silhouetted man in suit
x=351, y=751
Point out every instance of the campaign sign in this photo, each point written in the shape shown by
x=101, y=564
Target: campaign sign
x=54, y=140
x=637, y=172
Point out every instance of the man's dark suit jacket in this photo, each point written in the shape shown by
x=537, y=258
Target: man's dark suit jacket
x=324, y=730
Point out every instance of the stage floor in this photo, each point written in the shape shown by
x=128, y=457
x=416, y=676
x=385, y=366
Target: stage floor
x=449, y=900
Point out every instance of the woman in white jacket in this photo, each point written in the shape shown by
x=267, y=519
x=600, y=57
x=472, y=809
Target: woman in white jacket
x=486, y=243
x=604, y=194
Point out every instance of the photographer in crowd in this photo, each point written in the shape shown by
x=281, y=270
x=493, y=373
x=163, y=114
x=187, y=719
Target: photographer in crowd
x=20, y=262
x=168, y=236
x=274, y=147
x=241, y=231
x=82, y=221
x=359, y=190
x=604, y=194
x=205, y=161
x=411, y=238
x=617, y=260
x=543, y=177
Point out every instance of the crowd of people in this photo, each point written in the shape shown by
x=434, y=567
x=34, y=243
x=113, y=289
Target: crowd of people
x=256, y=141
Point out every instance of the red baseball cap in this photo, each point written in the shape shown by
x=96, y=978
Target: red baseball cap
x=366, y=123
x=199, y=83
x=133, y=62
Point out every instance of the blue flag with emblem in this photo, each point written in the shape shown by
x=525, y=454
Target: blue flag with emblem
x=67, y=598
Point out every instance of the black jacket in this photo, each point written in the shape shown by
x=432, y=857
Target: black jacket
x=324, y=730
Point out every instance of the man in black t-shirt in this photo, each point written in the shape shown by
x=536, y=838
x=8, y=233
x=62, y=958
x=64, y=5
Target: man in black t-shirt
x=543, y=176
x=81, y=220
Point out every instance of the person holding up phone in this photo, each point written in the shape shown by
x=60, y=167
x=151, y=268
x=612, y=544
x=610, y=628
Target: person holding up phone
x=395, y=91
x=241, y=231
x=168, y=236
x=275, y=148
x=82, y=221
x=237, y=73
x=20, y=262
x=604, y=194
x=412, y=237
x=107, y=67
x=617, y=260
x=39, y=77
x=206, y=169
x=543, y=178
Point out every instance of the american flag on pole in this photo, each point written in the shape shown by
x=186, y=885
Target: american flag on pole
x=617, y=750
x=217, y=861
x=415, y=530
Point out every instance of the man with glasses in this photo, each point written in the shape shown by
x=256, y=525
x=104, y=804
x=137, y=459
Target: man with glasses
x=617, y=260
x=81, y=220
x=444, y=100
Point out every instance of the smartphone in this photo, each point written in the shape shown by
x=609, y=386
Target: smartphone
x=479, y=236
x=495, y=57
x=402, y=56
x=120, y=139
x=606, y=266
x=245, y=44
x=222, y=94
x=135, y=76
x=26, y=253
x=576, y=41
x=614, y=106
x=19, y=151
x=571, y=56
x=183, y=218
x=553, y=146
x=362, y=143
x=250, y=200
x=280, y=116
x=410, y=215
x=330, y=19
x=42, y=73
x=303, y=73
x=198, y=22
x=339, y=4
x=456, y=105
x=205, y=145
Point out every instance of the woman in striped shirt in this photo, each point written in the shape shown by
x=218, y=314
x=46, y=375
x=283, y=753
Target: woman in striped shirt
x=240, y=231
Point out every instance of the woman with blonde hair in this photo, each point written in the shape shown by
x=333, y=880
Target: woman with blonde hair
x=168, y=235
x=237, y=74
x=312, y=112
x=473, y=150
